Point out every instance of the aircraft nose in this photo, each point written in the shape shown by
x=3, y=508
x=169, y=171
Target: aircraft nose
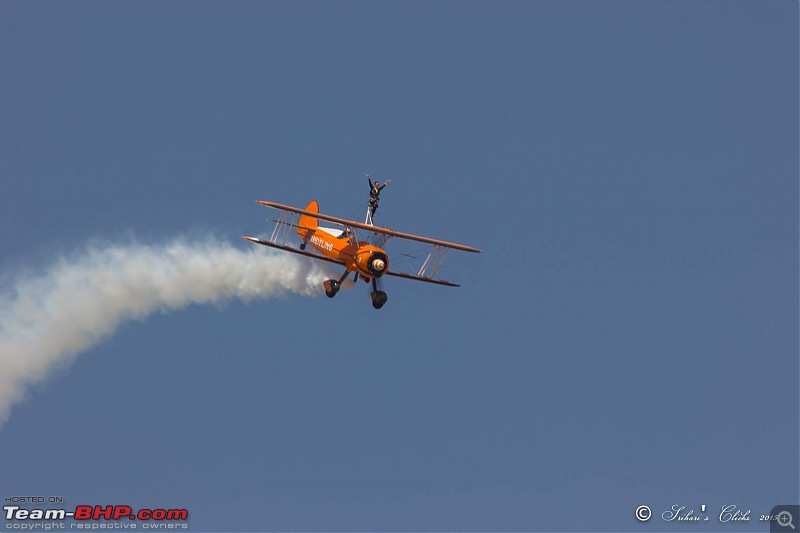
x=379, y=264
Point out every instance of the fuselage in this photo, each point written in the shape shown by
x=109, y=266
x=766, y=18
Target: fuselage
x=368, y=260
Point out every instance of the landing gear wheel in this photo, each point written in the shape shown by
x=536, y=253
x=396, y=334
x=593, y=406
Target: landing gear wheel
x=331, y=287
x=378, y=299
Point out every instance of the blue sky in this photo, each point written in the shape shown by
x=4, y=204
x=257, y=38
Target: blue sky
x=629, y=335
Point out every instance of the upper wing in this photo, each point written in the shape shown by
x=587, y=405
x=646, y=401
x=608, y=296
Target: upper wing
x=293, y=250
x=367, y=227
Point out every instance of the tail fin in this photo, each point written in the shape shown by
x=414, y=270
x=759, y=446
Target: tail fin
x=308, y=224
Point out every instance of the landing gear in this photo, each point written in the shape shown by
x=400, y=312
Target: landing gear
x=378, y=297
x=332, y=286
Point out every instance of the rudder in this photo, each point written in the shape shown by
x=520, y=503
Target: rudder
x=308, y=224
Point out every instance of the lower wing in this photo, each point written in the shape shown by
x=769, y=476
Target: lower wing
x=337, y=262
x=293, y=250
x=422, y=278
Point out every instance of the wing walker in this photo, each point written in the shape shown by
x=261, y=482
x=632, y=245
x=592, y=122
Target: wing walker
x=364, y=257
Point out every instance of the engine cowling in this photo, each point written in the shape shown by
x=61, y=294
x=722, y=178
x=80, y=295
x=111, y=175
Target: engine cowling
x=373, y=261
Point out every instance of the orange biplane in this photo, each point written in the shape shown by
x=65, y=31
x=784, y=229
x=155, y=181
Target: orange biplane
x=366, y=259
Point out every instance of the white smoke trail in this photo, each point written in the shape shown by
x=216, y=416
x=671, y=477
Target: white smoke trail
x=50, y=318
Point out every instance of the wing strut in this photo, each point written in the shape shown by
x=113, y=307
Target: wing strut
x=433, y=262
x=281, y=230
